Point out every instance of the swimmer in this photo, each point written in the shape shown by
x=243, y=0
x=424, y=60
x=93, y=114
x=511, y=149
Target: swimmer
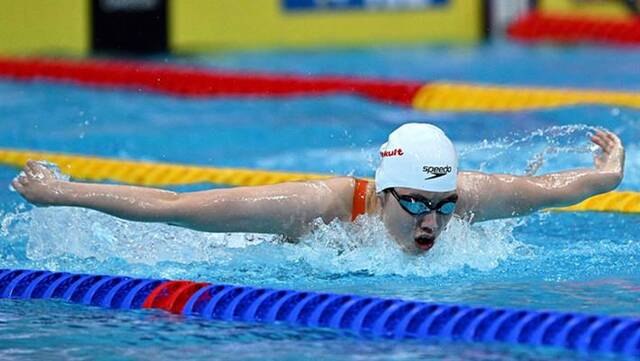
x=416, y=191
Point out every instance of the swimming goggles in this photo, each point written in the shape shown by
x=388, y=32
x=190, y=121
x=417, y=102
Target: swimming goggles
x=418, y=207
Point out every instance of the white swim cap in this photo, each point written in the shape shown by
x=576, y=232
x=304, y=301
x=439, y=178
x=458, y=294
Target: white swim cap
x=418, y=156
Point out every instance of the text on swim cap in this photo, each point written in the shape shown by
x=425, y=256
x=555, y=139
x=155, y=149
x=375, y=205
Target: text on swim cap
x=391, y=153
x=436, y=171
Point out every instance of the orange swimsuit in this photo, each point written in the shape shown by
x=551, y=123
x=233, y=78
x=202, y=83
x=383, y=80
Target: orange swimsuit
x=359, y=199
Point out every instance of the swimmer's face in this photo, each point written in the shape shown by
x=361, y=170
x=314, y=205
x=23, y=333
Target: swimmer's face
x=415, y=233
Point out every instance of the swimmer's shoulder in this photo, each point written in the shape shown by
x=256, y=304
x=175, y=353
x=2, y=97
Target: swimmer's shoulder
x=342, y=194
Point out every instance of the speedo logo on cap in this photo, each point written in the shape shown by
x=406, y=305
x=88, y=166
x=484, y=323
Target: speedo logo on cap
x=436, y=172
x=391, y=153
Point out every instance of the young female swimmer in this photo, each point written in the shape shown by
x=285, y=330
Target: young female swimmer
x=417, y=190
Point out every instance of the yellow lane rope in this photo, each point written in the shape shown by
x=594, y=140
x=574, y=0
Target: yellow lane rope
x=150, y=174
x=469, y=97
x=622, y=202
x=164, y=174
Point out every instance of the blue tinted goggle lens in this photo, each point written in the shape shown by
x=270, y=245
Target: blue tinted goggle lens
x=447, y=208
x=413, y=207
x=417, y=207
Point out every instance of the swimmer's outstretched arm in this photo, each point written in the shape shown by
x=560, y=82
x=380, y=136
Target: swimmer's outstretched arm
x=491, y=196
x=286, y=208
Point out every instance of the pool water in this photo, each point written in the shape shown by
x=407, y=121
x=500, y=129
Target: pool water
x=585, y=262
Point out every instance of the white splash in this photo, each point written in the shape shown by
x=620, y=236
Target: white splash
x=54, y=232
x=336, y=248
x=365, y=247
x=536, y=149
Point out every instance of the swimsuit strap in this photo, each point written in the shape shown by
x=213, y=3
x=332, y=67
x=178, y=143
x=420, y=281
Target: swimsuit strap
x=359, y=198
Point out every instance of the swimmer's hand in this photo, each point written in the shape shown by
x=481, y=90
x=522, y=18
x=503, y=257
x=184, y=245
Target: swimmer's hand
x=610, y=157
x=38, y=184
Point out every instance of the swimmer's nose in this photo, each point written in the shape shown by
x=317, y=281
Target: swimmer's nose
x=428, y=222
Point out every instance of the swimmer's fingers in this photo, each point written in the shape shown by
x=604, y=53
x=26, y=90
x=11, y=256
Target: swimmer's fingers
x=34, y=167
x=18, y=182
x=617, y=149
x=613, y=144
x=600, y=139
x=600, y=156
x=29, y=168
x=614, y=139
x=37, y=170
x=607, y=141
x=17, y=185
x=612, y=156
x=33, y=192
x=22, y=180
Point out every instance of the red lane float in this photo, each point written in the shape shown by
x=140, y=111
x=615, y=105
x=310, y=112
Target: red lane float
x=172, y=295
x=200, y=82
x=537, y=26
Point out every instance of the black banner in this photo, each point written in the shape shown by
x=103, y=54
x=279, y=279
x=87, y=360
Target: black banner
x=129, y=26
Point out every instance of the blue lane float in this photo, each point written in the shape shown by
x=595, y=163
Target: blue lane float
x=367, y=316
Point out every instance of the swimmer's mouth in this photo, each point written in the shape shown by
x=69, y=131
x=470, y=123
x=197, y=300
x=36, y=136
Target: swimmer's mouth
x=425, y=242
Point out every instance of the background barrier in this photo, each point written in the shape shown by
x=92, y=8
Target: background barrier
x=82, y=27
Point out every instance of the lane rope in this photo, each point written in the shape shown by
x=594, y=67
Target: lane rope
x=200, y=82
x=573, y=28
x=371, y=317
x=99, y=169
x=488, y=98
x=619, y=202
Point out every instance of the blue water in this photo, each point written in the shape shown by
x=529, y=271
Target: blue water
x=584, y=262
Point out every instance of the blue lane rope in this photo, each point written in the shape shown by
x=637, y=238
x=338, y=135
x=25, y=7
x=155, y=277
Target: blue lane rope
x=368, y=316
